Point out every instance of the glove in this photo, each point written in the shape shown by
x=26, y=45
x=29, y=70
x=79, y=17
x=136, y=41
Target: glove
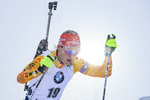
x=47, y=61
x=110, y=42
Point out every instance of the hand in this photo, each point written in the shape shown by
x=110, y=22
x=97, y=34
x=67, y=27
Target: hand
x=47, y=61
x=110, y=42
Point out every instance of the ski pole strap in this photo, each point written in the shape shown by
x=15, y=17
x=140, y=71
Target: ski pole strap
x=51, y=57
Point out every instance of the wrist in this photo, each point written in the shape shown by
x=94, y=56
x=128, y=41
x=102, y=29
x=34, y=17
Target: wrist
x=41, y=69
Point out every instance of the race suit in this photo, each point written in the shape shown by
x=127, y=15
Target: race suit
x=53, y=85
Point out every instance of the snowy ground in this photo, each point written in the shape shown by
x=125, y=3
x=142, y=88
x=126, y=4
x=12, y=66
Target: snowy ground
x=23, y=25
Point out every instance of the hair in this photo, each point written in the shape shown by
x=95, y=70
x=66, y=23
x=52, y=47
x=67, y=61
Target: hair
x=71, y=32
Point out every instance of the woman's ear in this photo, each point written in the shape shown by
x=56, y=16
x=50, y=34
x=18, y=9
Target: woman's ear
x=58, y=46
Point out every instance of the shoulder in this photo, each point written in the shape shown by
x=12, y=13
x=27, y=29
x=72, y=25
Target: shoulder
x=78, y=63
x=53, y=53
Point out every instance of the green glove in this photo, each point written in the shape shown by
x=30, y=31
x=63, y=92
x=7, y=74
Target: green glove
x=110, y=42
x=47, y=61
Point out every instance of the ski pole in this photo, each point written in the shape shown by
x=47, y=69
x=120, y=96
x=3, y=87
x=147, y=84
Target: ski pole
x=106, y=74
x=50, y=6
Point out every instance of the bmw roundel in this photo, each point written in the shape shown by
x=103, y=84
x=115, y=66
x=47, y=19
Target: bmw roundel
x=59, y=77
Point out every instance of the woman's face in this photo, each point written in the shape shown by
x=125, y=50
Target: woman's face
x=67, y=54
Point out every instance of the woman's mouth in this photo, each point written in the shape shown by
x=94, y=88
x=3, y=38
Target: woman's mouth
x=68, y=60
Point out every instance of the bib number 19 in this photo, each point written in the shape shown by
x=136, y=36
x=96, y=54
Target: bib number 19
x=53, y=92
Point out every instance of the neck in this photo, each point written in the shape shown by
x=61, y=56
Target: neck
x=59, y=59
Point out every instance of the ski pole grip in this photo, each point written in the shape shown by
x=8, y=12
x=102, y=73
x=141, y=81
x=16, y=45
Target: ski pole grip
x=52, y=4
x=109, y=50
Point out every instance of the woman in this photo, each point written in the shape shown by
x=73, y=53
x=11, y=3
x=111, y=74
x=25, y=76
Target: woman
x=63, y=64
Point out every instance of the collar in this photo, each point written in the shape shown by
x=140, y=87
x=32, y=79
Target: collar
x=57, y=63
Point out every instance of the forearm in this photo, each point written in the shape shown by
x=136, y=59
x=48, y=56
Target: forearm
x=30, y=71
x=99, y=71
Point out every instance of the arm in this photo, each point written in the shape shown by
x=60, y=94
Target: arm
x=91, y=69
x=30, y=71
x=97, y=70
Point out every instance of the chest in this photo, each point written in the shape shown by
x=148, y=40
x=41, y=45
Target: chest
x=53, y=84
x=58, y=76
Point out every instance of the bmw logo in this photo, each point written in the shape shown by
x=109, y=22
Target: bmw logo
x=59, y=77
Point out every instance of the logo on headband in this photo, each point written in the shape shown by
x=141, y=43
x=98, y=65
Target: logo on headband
x=73, y=42
x=62, y=39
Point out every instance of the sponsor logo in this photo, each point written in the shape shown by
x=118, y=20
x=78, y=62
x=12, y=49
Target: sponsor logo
x=26, y=75
x=73, y=42
x=62, y=39
x=59, y=77
x=38, y=59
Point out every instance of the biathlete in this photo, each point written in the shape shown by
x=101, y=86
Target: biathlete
x=63, y=64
